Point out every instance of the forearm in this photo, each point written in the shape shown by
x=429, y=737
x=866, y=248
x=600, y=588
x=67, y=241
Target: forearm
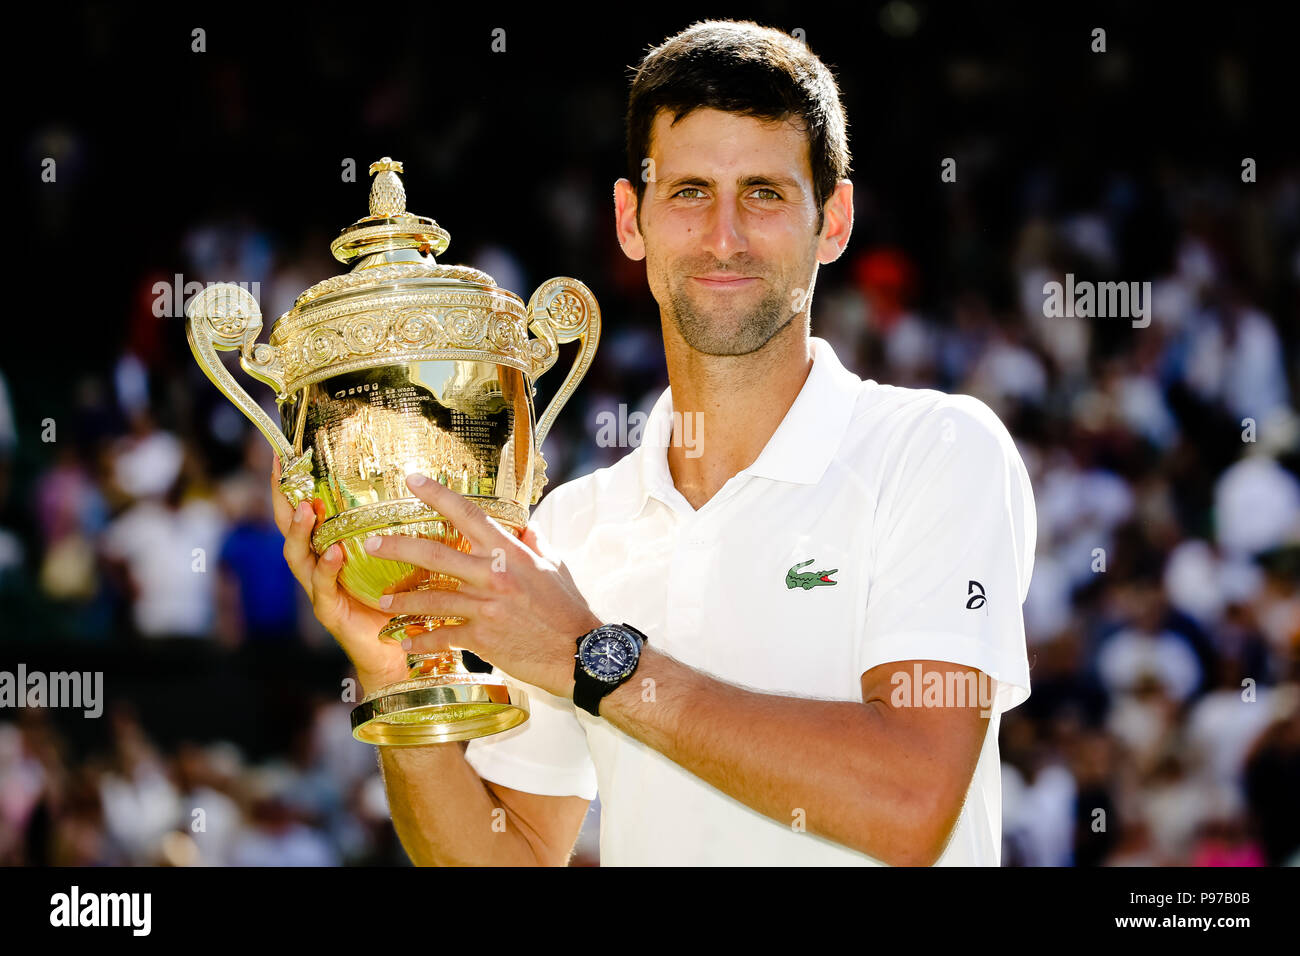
x=443, y=812
x=787, y=757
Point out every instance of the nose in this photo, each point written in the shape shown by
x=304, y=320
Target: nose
x=724, y=230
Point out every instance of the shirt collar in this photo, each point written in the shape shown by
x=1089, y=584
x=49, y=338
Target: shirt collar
x=799, y=450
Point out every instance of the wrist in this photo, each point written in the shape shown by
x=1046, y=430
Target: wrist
x=583, y=628
x=372, y=681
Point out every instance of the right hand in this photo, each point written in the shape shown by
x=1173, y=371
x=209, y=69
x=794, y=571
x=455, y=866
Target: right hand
x=355, y=626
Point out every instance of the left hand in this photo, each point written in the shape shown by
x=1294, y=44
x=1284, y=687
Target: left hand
x=522, y=610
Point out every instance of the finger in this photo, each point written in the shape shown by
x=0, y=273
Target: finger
x=440, y=602
x=324, y=585
x=468, y=518
x=297, y=545
x=283, y=509
x=430, y=555
x=440, y=639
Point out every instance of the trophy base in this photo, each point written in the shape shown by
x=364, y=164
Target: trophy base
x=439, y=703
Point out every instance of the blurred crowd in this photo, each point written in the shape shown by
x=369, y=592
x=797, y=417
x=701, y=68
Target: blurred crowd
x=321, y=804
x=1163, y=619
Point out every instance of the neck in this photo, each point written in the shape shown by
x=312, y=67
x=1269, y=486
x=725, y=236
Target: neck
x=726, y=407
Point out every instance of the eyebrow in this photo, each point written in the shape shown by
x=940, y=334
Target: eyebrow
x=761, y=180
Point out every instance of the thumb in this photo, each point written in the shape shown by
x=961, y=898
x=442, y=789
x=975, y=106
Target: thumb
x=539, y=543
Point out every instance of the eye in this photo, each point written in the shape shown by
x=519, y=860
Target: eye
x=688, y=189
x=767, y=189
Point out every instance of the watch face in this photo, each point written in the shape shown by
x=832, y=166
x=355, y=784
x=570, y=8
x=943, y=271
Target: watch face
x=609, y=654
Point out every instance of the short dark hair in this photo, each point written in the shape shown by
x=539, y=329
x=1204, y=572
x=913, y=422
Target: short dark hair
x=738, y=66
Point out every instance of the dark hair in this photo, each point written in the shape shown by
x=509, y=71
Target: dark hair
x=740, y=67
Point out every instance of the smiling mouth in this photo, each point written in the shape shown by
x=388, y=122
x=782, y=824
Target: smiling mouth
x=723, y=283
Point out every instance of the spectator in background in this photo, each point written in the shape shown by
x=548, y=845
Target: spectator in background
x=259, y=597
x=1273, y=784
x=12, y=554
x=1221, y=728
x=71, y=513
x=22, y=783
x=1256, y=505
x=139, y=802
x=161, y=547
x=208, y=813
x=277, y=836
x=1145, y=648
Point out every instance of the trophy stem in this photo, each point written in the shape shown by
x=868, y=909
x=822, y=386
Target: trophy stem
x=436, y=663
x=439, y=701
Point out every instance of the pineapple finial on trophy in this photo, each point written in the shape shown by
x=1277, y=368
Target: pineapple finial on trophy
x=387, y=195
x=380, y=238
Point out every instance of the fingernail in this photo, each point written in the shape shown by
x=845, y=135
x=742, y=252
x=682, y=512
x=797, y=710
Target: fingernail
x=386, y=601
x=298, y=513
x=406, y=644
x=416, y=480
x=372, y=543
x=332, y=552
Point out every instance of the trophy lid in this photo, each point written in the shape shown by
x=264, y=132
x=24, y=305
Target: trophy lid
x=389, y=226
x=390, y=244
x=397, y=303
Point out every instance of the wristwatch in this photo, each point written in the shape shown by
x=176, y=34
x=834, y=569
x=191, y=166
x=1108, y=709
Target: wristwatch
x=606, y=658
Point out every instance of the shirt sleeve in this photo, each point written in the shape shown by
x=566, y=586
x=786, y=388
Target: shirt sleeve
x=546, y=754
x=953, y=550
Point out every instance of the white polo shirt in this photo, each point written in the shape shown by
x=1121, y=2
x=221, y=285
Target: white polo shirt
x=910, y=494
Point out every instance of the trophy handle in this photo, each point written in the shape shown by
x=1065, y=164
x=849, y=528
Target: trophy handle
x=561, y=310
x=226, y=317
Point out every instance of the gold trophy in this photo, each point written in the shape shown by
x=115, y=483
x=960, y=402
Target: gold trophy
x=402, y=365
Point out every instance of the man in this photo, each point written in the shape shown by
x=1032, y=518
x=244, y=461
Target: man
x=826, y=577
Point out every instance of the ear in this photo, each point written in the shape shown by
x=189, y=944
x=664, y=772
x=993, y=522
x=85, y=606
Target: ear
x=839, y=223
x=629, y=236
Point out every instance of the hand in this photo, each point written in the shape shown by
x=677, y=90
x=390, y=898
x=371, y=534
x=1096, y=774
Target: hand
x=521, y=608
x=355, y=626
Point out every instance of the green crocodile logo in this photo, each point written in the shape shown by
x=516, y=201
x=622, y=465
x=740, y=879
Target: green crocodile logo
x=794, y=578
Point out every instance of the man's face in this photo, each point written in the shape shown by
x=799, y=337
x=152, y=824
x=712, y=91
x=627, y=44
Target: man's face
x=730, y=228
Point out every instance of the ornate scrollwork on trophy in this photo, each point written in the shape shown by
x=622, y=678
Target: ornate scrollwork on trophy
x=377, y=517
x=230, y=312
x=561, y=310
x=399, y=272
x=466, y=328
x=539, y=477
x=224, y=318
x=440, y=320
x=296, y=481
x=418, y=328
